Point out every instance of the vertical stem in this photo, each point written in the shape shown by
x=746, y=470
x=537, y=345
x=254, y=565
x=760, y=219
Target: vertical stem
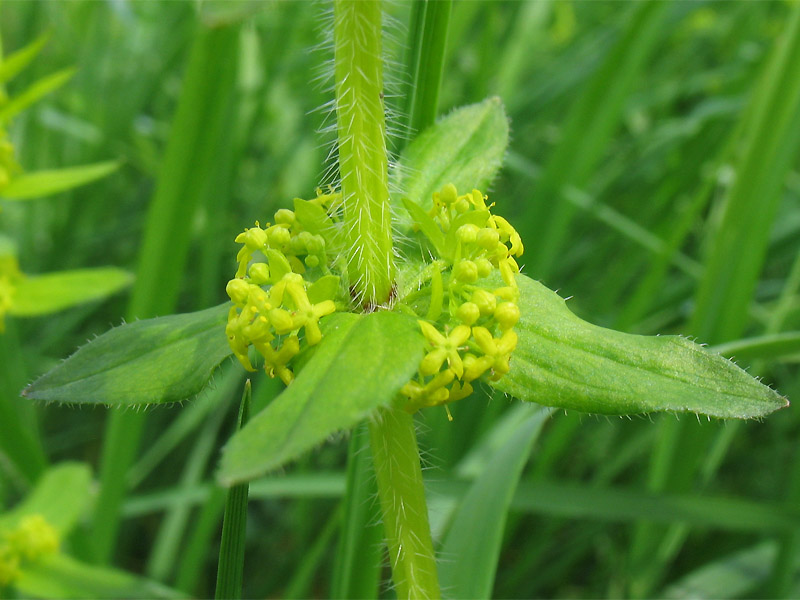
x=363, y=167
x=402, y=498
x=363, y=162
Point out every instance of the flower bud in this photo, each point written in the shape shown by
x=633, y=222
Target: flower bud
x=259, y=273
x=468, y=312
x=284, y=216
x=461, y=205
x=467, y=234
x=466, y=271
x=449, y=194
x=506, y=314
x=488, y=238
x=485, y=267
x=300, y=242
x=315, y=244
x=279, y=236
x=281, y=320
x=486, y=302
x=238, y=290
x=255, y=238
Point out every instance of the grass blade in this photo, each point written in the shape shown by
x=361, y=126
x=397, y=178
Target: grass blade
x=429, y=33
x=234, y=523
x=767, y=145
x=38, y=184
x=471, y=549
x=589, y=126
x=359, y=558
x=188, y=163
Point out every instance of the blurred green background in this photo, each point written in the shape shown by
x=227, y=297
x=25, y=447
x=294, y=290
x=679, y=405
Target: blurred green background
x=652, y=173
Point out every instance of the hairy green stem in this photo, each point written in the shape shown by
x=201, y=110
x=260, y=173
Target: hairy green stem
x=363, y=167
x=363, y=162
x=402, y=498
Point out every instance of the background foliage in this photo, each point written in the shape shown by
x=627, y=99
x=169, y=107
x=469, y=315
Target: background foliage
x=214, y=112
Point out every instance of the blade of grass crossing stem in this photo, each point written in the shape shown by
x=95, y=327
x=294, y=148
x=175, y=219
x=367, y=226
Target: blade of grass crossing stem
x=234, y=524
x=192, y=562
x=203, y=533
x=359, y=557
x=767, y=146
x=589, y=126
x=189, y=161
x=471, y=548
x=430, y=21
x=164, y=553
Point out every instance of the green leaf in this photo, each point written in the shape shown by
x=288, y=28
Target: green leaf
x=167, y=359
x=43, y=294
x=45, y=183
x=324, y=288
x=315, y=220
x=465, y=148
x=472, y=547
x=17, y=61
x=35, y=92
x=426, y=224
x=360, y=365
x=60, y=576
x=61, y=496
x=565, y=362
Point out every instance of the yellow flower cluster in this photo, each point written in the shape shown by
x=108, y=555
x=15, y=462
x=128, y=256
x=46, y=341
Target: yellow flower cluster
x=32, y=539
x=477, y=335
x=271, y=320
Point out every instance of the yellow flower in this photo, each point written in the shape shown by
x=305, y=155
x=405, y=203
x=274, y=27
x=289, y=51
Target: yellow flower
x=429, y=394
x=307, y=315
x=497, y=349
x=443, y=348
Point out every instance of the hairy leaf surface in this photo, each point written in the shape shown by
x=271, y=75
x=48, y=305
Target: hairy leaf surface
x=465, y=148
x=361, y=364
x=167, y=359
x=566, y=362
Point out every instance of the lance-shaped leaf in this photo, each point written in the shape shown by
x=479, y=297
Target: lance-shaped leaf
x=566, y=362
x=52, y=181
x=465, y=148
x=51, y=292
x=360, y=365
x=167, y=359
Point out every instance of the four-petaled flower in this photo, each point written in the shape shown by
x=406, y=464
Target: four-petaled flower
x=443, y=348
